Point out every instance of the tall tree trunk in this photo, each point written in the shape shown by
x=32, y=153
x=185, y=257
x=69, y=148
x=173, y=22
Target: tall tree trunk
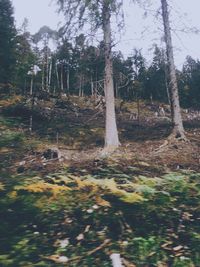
x=138, y=109
x=82, y=89
x=178, y=130
x=43, y=73
x=68, y=79
x=31, y=87
x=57, y=77
x=80, y=85
x=111, y=133
x=92, y=86
x=50, y=73
x=61, y=79
x=47, y=72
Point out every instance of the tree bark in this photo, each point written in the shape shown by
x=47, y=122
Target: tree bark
x=68, y=78
x=47, y=72
x=80, y=85
x=43, y=71
x=92, y=86
x=57, y=76
x=50, y=72
x=178, y=130
x=61, y=79
x=31, y=87
x=111, y=133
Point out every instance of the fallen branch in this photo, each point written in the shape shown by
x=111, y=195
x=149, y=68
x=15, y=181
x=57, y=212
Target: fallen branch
x=95, y=115
x=106, y=242
x=162, y=147
x=127, y=263
x=79, y=258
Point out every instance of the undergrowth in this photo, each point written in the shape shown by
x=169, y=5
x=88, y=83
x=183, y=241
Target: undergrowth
x=159, y=227
x=80, y=215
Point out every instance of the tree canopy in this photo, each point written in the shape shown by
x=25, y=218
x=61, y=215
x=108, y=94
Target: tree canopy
x=7, y=41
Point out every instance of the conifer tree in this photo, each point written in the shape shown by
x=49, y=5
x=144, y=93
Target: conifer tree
x=7, y=42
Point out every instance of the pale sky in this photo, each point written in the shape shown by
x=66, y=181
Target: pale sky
x=139, y=32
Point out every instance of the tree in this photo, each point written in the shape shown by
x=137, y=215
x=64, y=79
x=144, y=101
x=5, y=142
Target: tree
x=64, y=57
x=139, y=74
x=7, y=42
x=190, y=83
x=111, y=137
x=44, y=35
x=178, y=130
x=122, y=71
x=156, y=83
x=25, y=57
x=99, y=13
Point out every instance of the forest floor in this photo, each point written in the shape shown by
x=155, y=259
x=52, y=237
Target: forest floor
x=64, y=203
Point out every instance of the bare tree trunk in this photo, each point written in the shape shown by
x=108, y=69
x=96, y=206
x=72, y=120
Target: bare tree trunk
x=61, y=78
x=80, y=85
x=178, y=130
x=57, y=76
x=47, y=72
x=31, y=87
x=92, y=86
x=50, y=72
x=68, y=79
x=111, y=133
x=138, y=109
x=30, y=123
x=43, y=70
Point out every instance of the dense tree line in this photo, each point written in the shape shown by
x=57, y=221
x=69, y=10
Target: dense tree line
x=7, y=42
x=77, y=67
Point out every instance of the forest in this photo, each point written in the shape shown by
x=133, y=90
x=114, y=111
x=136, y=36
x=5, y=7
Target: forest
x=99, y=153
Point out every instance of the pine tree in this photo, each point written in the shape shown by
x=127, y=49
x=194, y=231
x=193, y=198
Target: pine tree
x=156, y=85
x=25, y=57
x=7, y=42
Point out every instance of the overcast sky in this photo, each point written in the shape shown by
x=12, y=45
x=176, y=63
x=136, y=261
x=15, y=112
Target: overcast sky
x=139, y=33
